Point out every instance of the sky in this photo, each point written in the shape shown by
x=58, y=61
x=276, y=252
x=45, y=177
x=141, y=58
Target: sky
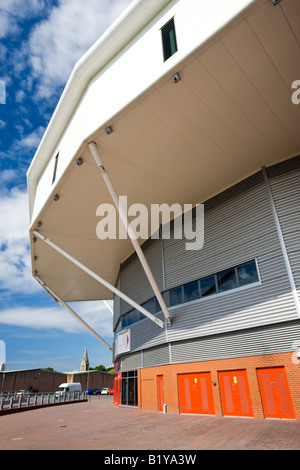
x=40, y=42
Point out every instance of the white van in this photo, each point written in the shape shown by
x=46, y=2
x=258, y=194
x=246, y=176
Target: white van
x=68, y=388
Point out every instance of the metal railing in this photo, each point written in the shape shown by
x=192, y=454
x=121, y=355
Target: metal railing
x=13, y=400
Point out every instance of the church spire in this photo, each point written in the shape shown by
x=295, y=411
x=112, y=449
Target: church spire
x=85, y=362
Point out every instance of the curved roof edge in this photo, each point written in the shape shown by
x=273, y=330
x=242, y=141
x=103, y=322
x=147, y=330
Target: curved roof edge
x=130, y=23
x=137, y=15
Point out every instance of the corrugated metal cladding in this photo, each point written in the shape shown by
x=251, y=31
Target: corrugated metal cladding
x=131, y=361
x=239, y=227
x=134, y=282
x=286, y=194
x=269, y=339
x=117, y=303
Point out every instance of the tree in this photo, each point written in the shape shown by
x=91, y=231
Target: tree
x=101, y=368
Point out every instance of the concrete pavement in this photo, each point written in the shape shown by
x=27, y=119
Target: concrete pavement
x=100, y=425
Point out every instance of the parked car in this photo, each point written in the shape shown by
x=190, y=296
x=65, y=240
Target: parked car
x=23, y=393
x=111, y=392
x=104, y=391
x=90, y=391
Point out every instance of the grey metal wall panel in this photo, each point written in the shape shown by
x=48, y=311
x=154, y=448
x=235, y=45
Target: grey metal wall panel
x=238, y=229
x=271, y=339
x=147, y=334
x=235, y=231
x=268, y=340
x=286, y=194
x=131, y=361
x=134, y=282
x=117, y=305
x=156, y=356
x=229, y=313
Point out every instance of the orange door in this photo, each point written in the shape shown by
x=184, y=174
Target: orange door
x=195, y=393
x=275, y=393
x=161, y=398
x=235, y=393
x=117, y=387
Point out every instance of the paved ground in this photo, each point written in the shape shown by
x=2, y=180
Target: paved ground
x=100, y=425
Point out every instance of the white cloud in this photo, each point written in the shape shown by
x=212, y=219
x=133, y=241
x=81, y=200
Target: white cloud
x=20, y=9
x=15, y=264
x=58, y=43
x=95, y=314
x=20, y=96
x=8, y=24
x=32, y=140
x=14, y=215
x=2, y=351
x=22, y=147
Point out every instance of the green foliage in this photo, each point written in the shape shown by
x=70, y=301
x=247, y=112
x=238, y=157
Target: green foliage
x=101, y=368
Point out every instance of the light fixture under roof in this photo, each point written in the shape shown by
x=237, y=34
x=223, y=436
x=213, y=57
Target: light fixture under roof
x=176, y=78
x=109, y=130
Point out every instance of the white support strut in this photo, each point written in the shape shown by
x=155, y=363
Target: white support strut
x=123, y=216
x=99, y=279
x=70, y=310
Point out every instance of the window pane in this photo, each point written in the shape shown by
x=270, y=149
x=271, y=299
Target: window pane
x=176, y=296
x=129, y=318
x=124, y=400
x=208, y=286
x=166, y=298
x=191, y=291
x=129, y=390
x=151, y=306
x=157, y=307
x=137, y=316
x=226, y=280
x=55, y=168
x=169, y=39
x=247, y=273
x=124, y=321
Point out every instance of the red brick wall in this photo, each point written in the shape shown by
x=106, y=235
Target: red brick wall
x=94, y=379
x=36, y=379
x=148, y=390
x=46, y=381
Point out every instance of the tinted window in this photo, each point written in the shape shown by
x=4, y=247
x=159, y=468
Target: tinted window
x=169, y=39
x=191, y=291
x=226, y=280
x=208, y=286
x=247, y=273
x=175, y=296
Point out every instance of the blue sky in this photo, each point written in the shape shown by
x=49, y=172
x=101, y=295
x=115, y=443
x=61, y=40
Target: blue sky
x=40, y=42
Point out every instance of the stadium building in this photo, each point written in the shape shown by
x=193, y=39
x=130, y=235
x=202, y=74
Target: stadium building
x=192, y=104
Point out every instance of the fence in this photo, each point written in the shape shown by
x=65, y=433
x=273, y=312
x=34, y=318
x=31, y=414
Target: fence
x=11, y=401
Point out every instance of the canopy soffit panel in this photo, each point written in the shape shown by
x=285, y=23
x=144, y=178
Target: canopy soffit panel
x=229, y=115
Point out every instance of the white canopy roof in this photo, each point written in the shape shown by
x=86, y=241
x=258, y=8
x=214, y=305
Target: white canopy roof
x=229, y=115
